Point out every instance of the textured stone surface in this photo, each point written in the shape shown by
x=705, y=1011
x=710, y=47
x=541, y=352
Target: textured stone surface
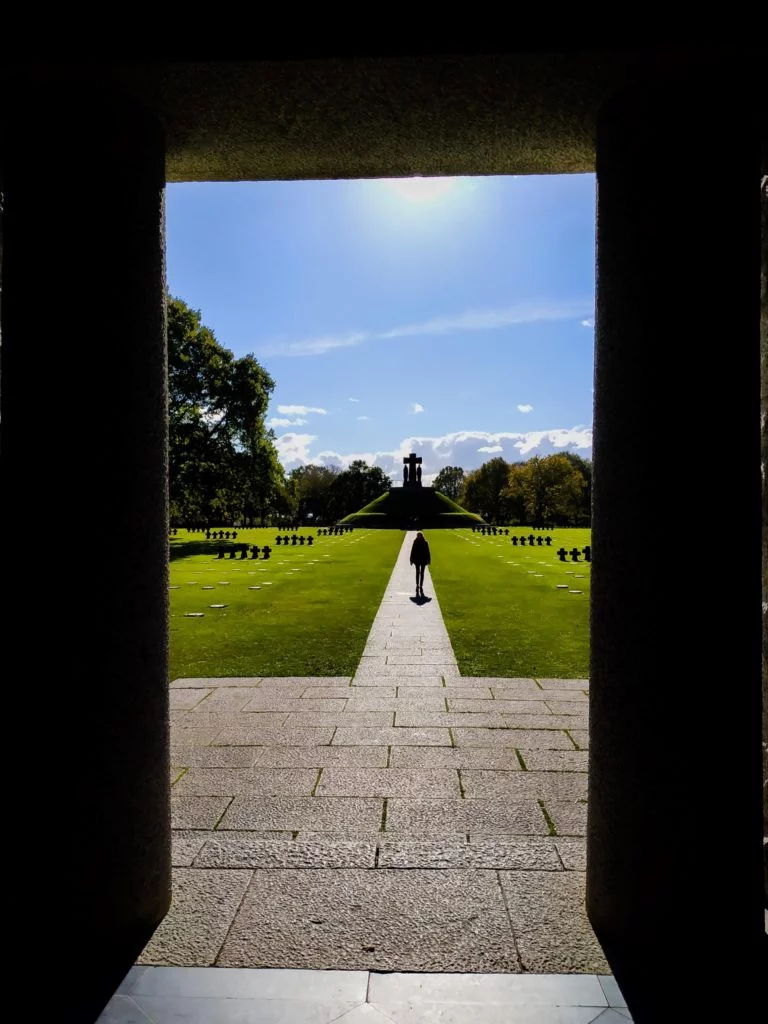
x=257, y=781
x=550, y=922
x=415, y=784
x=246, y=850
x=245, y=736
x=573, y=853
x=546, y=721
x=524, y=785
x=369, y=700
x=493, y=852
x=197, y=811
x=185, y=845
x=202, y=909
x=412, y=682
x=517, y=707
x=366, y=718
x=351, y=735
x=454, y=757
x=187, y=698
x=446, y=719
x=570, y=819
x=421, y=818
x=360, y=920
x=281, y=682
x=555, y=760
x=564, y=684
x=541, y=739
x=271, y=700
x=319, y=757
x=314, y=814
x=580, y=738
x=206, y=684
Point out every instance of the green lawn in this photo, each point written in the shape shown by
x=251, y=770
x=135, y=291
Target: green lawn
x=313, y=621
x=502, y=619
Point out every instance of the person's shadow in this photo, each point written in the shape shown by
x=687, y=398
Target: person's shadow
x=421, y=599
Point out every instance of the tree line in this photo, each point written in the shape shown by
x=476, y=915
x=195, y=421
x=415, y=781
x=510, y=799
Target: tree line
x=224, y=467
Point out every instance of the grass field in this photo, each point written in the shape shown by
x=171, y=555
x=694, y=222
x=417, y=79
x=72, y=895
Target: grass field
x=501, y=606
x=311, y=615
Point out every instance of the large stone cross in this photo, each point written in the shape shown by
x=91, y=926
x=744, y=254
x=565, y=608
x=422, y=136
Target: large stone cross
x=410, y=476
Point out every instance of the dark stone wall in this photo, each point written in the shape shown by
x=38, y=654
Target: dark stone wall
x=674, y=833
x=84, y=527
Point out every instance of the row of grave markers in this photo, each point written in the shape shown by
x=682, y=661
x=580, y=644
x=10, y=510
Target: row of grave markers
x=493, y=531
x=294, y=539
x=243, y=551
x=335, y=531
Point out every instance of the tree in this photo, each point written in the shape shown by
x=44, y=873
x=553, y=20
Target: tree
x=355, y=488
x=311, y=486
x=449, y=481
x=222, y=460
x=552, y=489
x=484, y=491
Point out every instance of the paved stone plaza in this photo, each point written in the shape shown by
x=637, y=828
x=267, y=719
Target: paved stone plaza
x=407, y=819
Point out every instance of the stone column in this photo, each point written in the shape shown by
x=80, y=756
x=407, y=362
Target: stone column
x=674, y=877
x=85, y=535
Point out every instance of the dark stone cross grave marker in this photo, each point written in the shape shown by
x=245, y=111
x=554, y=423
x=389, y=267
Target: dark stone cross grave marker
x=531, y=539
x=244, y=551
x=267, y=551
x=278, y=541
x=310, y=541
x=294, y=538
x=255, y=551
x=587, y=553
x=302, y=540
x=575, y=552
x=522, y=541
x=514, y=540
x=539, y=541
x=562, y=554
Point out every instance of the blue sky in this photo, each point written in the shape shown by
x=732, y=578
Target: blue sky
x=450, y=316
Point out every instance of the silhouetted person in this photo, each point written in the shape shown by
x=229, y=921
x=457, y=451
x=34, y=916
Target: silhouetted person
x=420, y=557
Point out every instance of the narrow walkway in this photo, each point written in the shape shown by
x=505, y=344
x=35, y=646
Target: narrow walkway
x=408, y=636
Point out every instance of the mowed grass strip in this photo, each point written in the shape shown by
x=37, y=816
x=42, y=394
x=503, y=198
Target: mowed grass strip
x=311, y=622
x=510, y=619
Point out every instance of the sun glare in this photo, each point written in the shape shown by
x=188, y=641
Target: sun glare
x=421, y=190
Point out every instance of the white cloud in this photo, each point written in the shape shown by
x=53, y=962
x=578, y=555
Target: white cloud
x=468, y=321
x=416, y=407
x=363, y=417
x=354, y=399
x=301, y=410
x=467, y=448
x=279, y=421
x=588, y=323
x=525, y=408
x=294, y=448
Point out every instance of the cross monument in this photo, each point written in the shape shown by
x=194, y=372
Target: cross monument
x=412, y=474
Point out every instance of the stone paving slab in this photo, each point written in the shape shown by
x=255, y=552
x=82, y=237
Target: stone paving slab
x=555, y=760
x=399, y=920
x=249, y=850
x=319, y=757
x=197, y=811
x=353, y=735
x=570, y=819
x=412, y=682
x=524, y=785
x=258, y=736
x=496, y=852
x=316, y=814
x=206, y=684
x=259, y=781
x=412, y=783
x=455, y=757
x=419, y=818
x=543, y=905
x=365, y=718
x=580, y=737
x=204, y=906
x=532, y=739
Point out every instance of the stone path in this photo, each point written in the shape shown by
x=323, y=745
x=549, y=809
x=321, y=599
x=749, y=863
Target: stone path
x=406, y=819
